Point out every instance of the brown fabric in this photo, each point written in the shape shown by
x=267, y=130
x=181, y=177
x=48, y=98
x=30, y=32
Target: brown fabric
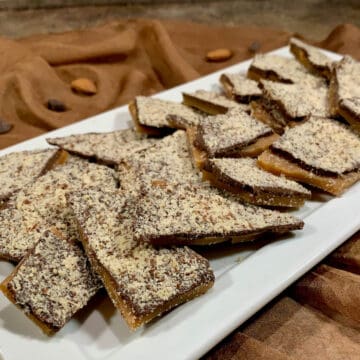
x=332, y=291
x=123, y=58
x=242, y=347
x=293, y=327
x=303, y=332
x=132, y=57
x=348, y=256
x=344, y=39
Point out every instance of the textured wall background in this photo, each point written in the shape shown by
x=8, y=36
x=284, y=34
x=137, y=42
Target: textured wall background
x=312, y=18
x=33, y=4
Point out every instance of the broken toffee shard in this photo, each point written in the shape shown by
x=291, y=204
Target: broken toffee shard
x=142, y=281
x=197, y=215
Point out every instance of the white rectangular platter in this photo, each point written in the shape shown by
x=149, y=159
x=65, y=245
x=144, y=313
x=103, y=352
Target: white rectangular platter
x=247, y=277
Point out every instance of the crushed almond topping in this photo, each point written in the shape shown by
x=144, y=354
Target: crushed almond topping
x=299, y=100
x=315, y=56
x=226, y=133
x=54, y=281
x=287, y=69
x=20, y=168
x=43, y=205
x=242, y=86
x=217, y=99
x=245, y=172
x=169, y=160
x=322, y=143
x=154, y=112
x=146, y=277
x=347, y=74
x=110, y=147
x=191, y=212
x=352, y=105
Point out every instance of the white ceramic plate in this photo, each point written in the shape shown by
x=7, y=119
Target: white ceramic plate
x=243, y=284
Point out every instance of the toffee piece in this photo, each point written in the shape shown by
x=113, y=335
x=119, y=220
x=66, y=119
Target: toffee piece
x=294, y=102
x=243, y=178
x=345, y=90
x=197, y=215
x=239, y=88
x=106, y=148
x=42, y=205
x=198, y=156
x=52, y=282
x=169, y=160
x=277, y=68
x=20, y=168
x=151, y=115
x=349, y=109
x=211, y=102
x=142, y=281
x=321, y=152
x=269, y=113
x=228, y=134
x=311, y=57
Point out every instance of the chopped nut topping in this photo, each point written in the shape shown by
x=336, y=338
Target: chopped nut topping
x=352, y=104
x=244, y=172
x=154, y=112
x=314, y=55
x=323, y=144
x=169, y=160
x=145, y=281
x=42, y=205
x=284, y=69
x=182, y=214
x=352, y=109
x=53, y=281
x=222, y=135
x=242, y=87
x=206, y=100
x=19, y=168
x=299, y=100
x=347, y=75
x=107, y=148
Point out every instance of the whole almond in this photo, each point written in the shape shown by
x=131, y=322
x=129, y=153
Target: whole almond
x=219, y=55
x=84, y=86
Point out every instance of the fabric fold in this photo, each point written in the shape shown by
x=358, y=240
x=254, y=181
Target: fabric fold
x=242, y=347
x=334, y=292
x=303, y=332
x=347, y=256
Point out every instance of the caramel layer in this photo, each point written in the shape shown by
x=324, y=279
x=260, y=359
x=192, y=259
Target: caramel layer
x=259, y=111
x=311, y=58
x=258, y=198
x=333, y=185
x=142, y=128
x=199, y=157
x=141, y=280
x=52, y=282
